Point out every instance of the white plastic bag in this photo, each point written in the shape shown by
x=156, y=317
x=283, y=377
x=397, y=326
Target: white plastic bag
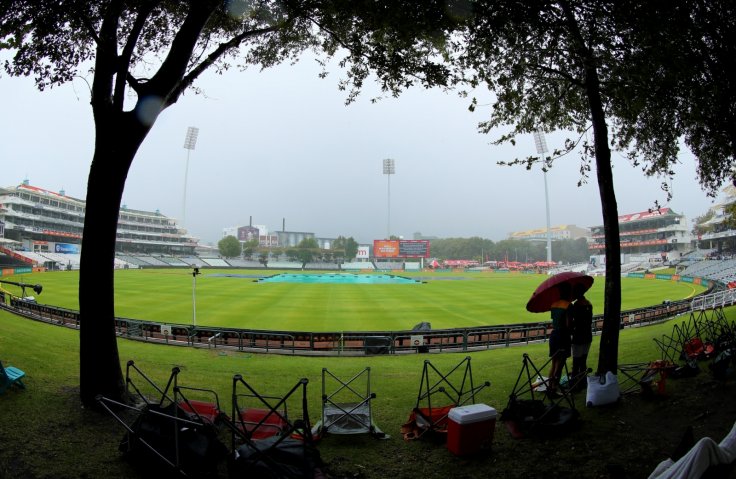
x=602, y=390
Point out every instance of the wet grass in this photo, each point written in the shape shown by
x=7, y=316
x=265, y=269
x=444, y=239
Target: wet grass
x=445, y=300
x=46, y=434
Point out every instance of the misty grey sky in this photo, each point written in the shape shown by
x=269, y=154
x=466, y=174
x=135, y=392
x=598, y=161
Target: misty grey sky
x=281, y=144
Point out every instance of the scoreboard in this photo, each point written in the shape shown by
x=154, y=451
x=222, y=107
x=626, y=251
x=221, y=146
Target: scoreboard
x=401, y=248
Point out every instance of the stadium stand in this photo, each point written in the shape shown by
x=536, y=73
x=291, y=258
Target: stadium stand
x=151, y=261
x=65, y=260
x=358, y=265
x=191, y=260
x=172, y=261
x=723, y=271
x=631, y=267
x=10, y=262
x=330, y=266
x=132, y=260
x=284, y=265
x=218, y=262
x=121, y=264
x=576, y=267
x=244, y=263
x=389, y=265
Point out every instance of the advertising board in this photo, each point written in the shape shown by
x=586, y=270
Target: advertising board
x=401, y=248
x=66, y=248
x=386, y=248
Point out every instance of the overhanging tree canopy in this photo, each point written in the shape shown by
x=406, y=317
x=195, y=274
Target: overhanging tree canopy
x=637, y=76
x=145, y=54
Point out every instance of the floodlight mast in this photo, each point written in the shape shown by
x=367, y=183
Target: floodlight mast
x=195, y=272
x=389, y=168
x=541, y=143
x=190, y=141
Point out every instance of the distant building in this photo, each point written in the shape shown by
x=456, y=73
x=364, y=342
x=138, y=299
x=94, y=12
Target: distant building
x=292, y=238
x=717, y=230
x=658, y=231
x=44, y=221
x=560, y=232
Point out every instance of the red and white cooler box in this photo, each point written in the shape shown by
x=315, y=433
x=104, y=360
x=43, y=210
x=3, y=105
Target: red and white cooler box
x=469, y=428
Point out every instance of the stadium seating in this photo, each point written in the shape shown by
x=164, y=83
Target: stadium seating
x=357, y=265
x=218, y=262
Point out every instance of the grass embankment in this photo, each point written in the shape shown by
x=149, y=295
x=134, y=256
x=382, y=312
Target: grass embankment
x=45, y=433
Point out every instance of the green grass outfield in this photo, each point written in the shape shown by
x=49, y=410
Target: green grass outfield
x=446, y=300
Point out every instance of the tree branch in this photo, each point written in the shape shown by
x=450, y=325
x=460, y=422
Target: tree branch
x=105, y=58
x=123, y=65
x=174, y=66
x=216, y=54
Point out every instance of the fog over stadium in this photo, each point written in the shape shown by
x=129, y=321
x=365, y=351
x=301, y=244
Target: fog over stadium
x=281, y=145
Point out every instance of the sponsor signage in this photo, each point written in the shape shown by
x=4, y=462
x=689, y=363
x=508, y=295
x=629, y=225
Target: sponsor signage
x=643, y=215
x=363, y=252
x=248, y=233
x=66, y=248
x=401, y=248
x=386, y=248
x=414, y=248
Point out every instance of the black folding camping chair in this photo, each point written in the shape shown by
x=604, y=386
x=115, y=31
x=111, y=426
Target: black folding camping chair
x=161, y=435
x=672, y=347
x=531, y=407
x=347, y=409
x=266, y=442
x=455, y=387
x=646, y=378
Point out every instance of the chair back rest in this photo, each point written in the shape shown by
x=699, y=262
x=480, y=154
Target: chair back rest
x=3, y=374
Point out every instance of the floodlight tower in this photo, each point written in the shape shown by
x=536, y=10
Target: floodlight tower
x=195, y=273
x=389, y=168
x=541, y=143
x=190, y=141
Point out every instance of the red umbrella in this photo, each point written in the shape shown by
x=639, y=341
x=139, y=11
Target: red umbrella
x=548, y=292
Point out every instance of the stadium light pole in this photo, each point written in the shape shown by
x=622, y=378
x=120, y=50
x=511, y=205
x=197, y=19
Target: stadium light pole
x=389, y=168
x=195, y=272
x=541, y=143
x=190, y=141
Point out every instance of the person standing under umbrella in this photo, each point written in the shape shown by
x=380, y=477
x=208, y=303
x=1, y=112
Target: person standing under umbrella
x=582, y=335
x=559, y=339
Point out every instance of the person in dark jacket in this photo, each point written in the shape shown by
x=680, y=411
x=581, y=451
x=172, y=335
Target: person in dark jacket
x=582, y=335
x=559, y=339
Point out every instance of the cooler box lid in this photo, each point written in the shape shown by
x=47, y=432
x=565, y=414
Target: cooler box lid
x=471, y=413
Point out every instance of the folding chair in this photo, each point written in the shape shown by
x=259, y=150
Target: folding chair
x=149, y=393
x=160, y=433
x=531, y=408
x=646, y=378
x=456, y=387
x=206, y=411
x=672, y=346
x=347, y=410
x=265, y=441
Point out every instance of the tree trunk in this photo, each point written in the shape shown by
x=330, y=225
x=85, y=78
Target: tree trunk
x=608, y=352
x=117, y=139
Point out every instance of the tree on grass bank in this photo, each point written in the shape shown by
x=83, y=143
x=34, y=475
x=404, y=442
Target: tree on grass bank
x=144, y=55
